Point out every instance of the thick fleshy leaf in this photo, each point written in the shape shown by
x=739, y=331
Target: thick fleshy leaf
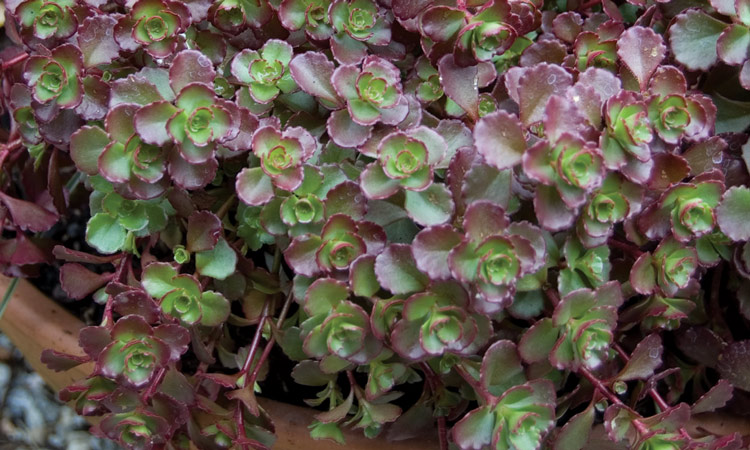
x=324, y=295
x=60, y=362
x=254, y=187
x=157, y=279
x=644, y=360
x=397, y=271
x=715, y=398
x=27, y=215
x=214, y=308
x=431, y=248
x=151, y=122
x=105, y=233
x=312, y=71
x=86, y=145
x=733, y=212
x=191, y=66
x=498, y=137
x=501, y=368
x=203, y=231
x=537, y=343
x=344, y=131
x=693, y=37
x=78, y=281
x=219, y=262
x=575, y=434
x=734, y=364
x=432, y=206
x=460, y=85
x=641, y=50
x=96, y=40
x=536, y=86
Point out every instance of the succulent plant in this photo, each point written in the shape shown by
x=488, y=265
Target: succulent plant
x=501, y=221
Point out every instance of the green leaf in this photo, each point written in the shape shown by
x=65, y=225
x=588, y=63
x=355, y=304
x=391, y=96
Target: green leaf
x=217, y=263
x=433, y=206
x=215, y=308
x=157, y=279
x=105, y=233
x=693, y=37
x=538, y=341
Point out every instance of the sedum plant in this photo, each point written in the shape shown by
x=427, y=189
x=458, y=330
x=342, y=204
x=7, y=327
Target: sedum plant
x=487, y=224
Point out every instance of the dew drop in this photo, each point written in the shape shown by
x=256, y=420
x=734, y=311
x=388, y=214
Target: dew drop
x=717, y=158
x=358, y=199
x=551, y=79
x=653, y=353
x=654, y=52
x=204, y=62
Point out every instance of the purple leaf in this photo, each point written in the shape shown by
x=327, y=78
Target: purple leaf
x=29, y=216
x=641, y=50
x=254, y=187
x=78, y=282
x=96, y=40
x=344, y=131
x=151, y=122
x=734, y=364
x=313, y=71
x=191, y=66
x=460, y=85
x=300, y=255
x=498, y=137
x=715, y=398
x=203, y=231
x=431, y=247
x=60, y=362
x=644, y=360
x=536, y=86
x=397, y=271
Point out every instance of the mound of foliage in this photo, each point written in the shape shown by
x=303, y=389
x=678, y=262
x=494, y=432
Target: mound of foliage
x=506, y=222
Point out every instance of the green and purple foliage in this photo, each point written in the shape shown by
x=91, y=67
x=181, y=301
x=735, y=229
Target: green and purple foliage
x=514, y=224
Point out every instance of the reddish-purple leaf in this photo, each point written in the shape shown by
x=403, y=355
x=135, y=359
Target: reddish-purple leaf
x=536, y=85
x=191, y=66
x=96, y=40
x=397, y=271
x=715, y=398
x=498, y=137
x=734, y=364
x=60, y=362
x=641, y=50
x=313, y=71
x=644, y=360
x=78, y=281
x=431, y=247
x=460, y=85
x=27, y=215
x=203, y=231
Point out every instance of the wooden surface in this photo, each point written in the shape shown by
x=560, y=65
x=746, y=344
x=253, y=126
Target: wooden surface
x=34, y=322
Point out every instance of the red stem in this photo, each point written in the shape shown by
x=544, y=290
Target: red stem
x=599, y=386
x=271, y=341
x=660, y=402
x=433, y=381
x=256, y=340
x=15, y=60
